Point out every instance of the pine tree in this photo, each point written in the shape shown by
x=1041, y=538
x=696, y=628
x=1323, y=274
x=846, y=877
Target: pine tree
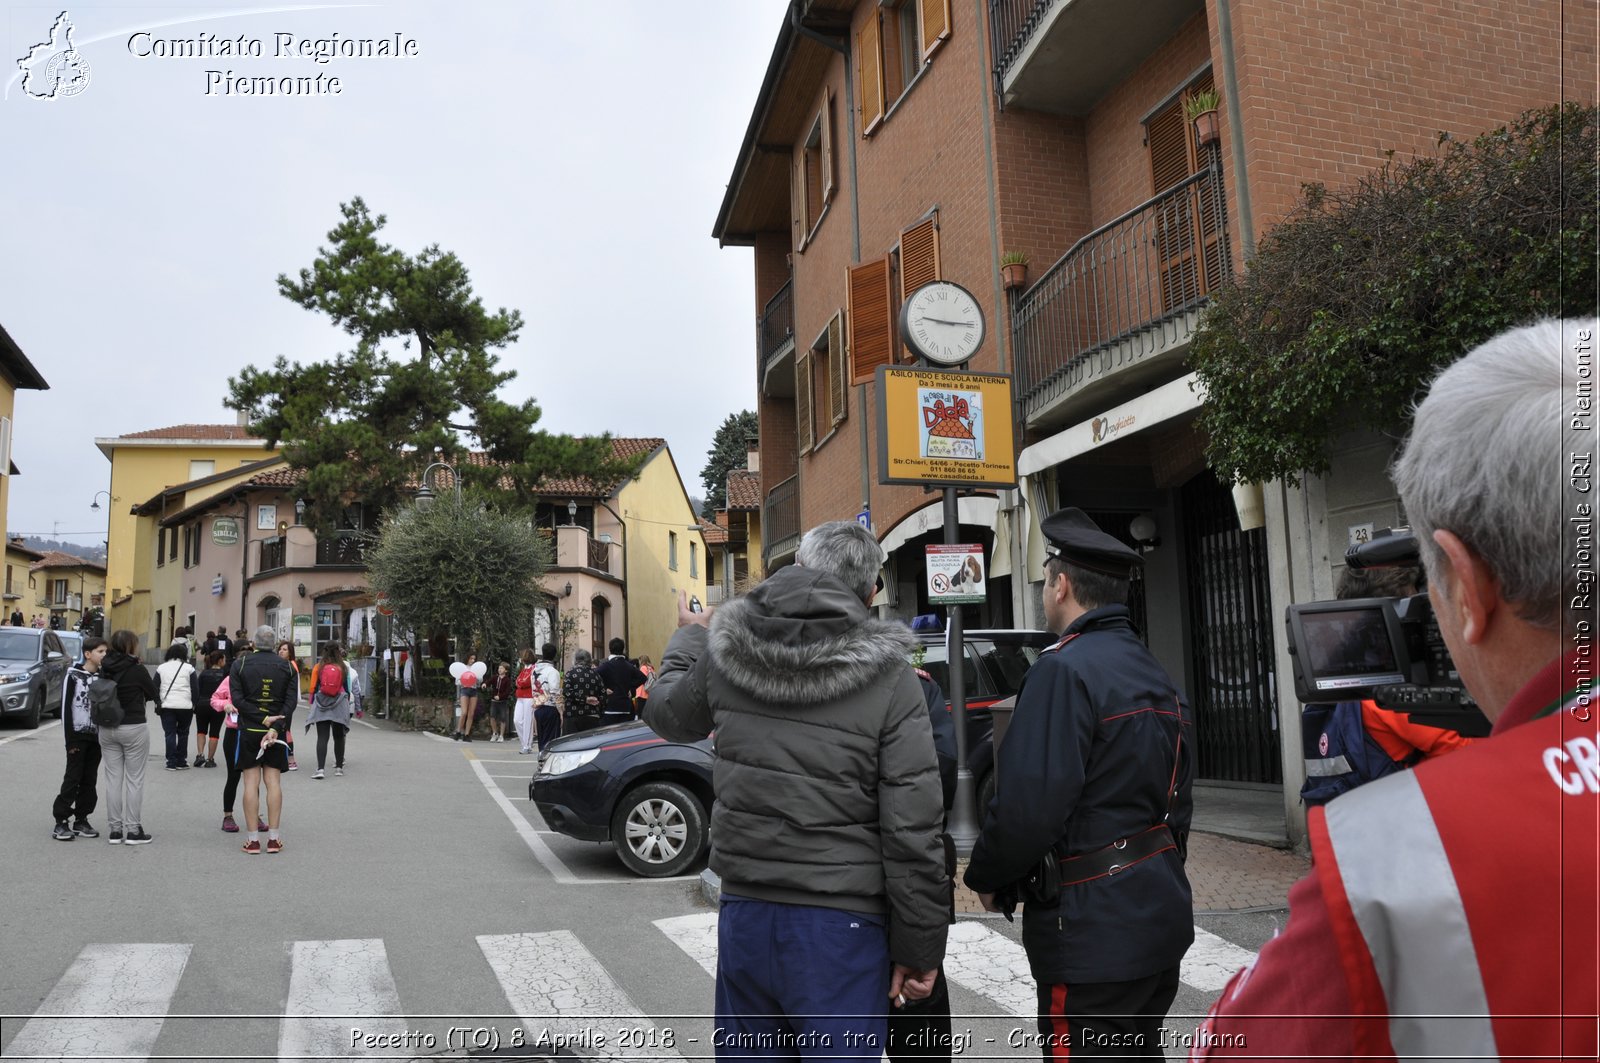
x=728, y=451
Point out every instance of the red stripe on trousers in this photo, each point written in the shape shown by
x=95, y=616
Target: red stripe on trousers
x=1060, y=1029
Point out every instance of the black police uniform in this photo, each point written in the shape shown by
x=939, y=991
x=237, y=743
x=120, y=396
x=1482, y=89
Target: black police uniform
x=1092, y=769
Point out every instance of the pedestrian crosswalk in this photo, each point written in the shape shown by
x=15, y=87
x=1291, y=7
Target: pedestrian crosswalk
x=113, y=1000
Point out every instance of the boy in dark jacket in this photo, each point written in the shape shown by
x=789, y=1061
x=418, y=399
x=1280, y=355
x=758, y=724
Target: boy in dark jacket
x=77, y=797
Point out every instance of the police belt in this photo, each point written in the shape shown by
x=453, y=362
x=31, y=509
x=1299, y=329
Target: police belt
x=1118, y=856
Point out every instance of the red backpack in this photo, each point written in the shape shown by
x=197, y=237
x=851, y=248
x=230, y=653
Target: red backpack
x=330, y=680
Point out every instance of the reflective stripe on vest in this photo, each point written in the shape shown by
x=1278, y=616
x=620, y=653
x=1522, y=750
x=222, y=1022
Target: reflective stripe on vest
x=1410, y=914
x=1318, y=769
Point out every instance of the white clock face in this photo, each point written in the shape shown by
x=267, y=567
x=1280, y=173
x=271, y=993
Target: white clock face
x=943, y=323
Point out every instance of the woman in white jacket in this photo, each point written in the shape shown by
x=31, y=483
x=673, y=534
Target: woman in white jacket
x=175, y=685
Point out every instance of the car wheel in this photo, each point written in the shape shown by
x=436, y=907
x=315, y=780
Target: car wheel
x=659, y=829
x=985, y=794
x=35, y=709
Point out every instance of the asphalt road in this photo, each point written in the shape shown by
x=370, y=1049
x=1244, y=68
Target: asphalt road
x=418, y=895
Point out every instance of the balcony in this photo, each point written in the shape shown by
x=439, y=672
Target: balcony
x=775, y=344
x=1062, y=56
x=343, y=550
x=1118, y=310
x=272, y=555
x=781, y=520
x=577, y=549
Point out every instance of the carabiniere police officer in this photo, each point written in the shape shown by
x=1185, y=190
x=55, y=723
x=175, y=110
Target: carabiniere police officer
x=1091, y=812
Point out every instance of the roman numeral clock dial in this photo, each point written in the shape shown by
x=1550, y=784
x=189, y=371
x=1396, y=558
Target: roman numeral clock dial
x=942, y=323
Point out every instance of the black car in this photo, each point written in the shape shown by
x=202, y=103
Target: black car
x=652, y=798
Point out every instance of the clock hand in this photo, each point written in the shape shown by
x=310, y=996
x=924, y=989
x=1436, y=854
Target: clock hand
x=942, y=321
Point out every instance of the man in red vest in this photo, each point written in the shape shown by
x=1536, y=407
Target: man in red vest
x=1453, y=911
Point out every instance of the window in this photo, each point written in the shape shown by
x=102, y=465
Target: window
x=821, y=389
x=195, y=538
x=548, y=515
x=329, y=627
x=919, y=263
x=172, y=545
x=694, y=560
x=8, y=579
x=672, y=550
x=188, y=545
x=58, y=591
x=813, y=174
x=161, y=547
x=198, y=469
x=896, y=42
x=1188, y=238
x=5, y=446
x=870, y=312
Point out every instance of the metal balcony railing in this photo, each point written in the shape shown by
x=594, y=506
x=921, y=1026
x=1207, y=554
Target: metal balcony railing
x=1157, y=262
x=342, y=549
x=777, y=324
x=781, y=519
x=273, y=555
x=1011, y=26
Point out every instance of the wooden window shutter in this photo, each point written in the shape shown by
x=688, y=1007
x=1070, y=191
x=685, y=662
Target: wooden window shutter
x=869, y=70
x=797, y=199
x=935, y=16
x=1169, y=146
x=802, y=402
x=827, y=145
x=836, y=368
x=872, y=326
x=919, y=263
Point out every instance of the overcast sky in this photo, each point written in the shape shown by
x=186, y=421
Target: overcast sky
x=573, y=155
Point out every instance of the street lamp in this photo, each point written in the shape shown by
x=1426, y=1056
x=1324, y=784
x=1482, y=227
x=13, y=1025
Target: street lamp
x=572, y=512
x=425, y=494
x=95, y=505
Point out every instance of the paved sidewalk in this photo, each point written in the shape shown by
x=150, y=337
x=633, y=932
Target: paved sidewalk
x=1226, y=876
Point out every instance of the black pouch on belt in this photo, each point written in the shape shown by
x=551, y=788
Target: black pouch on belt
x=1042, y=884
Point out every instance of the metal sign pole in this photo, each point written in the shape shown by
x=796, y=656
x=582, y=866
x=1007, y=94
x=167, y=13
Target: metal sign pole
x=963, y=814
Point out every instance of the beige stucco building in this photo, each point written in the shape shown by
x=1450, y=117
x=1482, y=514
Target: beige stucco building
x=16, y=372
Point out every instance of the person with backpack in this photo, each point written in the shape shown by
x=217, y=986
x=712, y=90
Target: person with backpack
x=330, y=707
x=125, y=747
x=1350, y=743
x=175, y=680
x=77, y=797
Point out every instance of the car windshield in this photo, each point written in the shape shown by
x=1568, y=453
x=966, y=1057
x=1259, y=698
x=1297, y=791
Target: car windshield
x=71, y=644
x=18, y=645
x=1007, y=663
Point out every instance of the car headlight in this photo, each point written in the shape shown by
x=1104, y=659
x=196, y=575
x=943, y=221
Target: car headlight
x=13, y=677
x=561, y=763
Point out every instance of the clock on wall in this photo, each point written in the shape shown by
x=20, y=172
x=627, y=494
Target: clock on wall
x=942, y=323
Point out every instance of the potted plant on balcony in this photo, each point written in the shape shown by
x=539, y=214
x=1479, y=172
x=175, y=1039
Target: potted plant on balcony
x=1201, y=109
x=1014, y=270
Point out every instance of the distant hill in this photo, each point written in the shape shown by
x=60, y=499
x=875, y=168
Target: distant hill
x=93, y=553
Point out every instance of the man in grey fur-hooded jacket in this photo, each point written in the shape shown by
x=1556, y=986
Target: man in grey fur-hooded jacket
x=826, y=826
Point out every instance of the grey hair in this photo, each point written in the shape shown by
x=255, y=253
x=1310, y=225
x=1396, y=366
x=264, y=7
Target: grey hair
x=1486, y=461
x=845, y=550
x=1090, y=589
x=266, y=636
x=581, y=658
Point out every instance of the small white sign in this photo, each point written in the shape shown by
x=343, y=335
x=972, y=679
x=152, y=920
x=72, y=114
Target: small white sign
x=217, y=586
x=956, y=575
x=1360, y=534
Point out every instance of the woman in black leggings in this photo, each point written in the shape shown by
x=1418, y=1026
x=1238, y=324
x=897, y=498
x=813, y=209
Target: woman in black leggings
x=208, y=721
x=330, y=706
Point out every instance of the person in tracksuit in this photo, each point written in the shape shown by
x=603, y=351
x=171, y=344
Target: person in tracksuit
x=78, y=797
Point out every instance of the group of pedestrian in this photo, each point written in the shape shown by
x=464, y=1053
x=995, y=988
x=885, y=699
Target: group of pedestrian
x=246, y=704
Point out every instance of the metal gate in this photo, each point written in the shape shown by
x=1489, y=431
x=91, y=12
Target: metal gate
x=1230, y=638
x=1114, y=522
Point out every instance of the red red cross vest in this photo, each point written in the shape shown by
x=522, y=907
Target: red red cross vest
x=1465, y=897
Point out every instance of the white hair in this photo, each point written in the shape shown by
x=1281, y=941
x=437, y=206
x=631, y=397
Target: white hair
x=1488, y=456
x=266, y=637
x=845, y=550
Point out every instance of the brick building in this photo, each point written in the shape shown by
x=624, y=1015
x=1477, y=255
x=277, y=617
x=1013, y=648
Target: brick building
x=895, y=143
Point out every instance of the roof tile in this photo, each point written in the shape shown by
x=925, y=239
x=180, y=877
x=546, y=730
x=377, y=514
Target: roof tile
x=744, y=490
x=194, y=431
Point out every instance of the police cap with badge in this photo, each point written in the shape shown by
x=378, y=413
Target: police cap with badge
x=1074, y=538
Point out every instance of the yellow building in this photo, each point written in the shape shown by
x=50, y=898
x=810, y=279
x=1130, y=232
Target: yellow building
x=735, y=536
x=16, y=372
x=664, y=550
x=19, y=593
x=143, y=466
x=64, y=585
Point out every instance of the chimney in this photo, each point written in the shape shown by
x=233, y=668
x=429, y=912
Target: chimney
x=242, y=418
x=752, y=456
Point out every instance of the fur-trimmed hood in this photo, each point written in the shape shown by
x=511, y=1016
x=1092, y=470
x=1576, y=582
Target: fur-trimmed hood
x=801, y=637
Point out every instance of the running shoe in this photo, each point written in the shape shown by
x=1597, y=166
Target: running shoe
x=210, y=763
x=293, y=766
x=115, y=837
x=274, y=845
x=137, y=837
x=199, y=761
x=338, y=771
x=318, y=774
x=229, y=825
x=62, y=833
x=251, y=848
x=83, y=830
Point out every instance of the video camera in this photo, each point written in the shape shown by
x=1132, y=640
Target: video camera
x=1387, y=649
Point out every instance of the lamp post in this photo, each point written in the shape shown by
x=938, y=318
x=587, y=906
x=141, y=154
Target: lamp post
x=425, y=494
x=94, y=504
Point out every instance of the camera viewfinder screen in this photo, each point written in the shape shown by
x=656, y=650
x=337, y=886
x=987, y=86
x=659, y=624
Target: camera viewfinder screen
x=1349, y=642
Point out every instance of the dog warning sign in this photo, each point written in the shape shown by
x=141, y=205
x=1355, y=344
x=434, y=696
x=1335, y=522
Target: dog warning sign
x=956, y=575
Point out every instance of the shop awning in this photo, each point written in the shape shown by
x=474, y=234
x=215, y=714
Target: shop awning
x=1148, y=410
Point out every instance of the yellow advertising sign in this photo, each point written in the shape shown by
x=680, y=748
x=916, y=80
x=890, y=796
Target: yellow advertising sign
x=944, y=428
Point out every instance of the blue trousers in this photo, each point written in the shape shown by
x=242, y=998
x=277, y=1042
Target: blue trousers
x=796, y=982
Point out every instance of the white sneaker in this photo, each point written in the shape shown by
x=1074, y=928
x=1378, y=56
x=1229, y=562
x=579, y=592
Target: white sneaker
x=338, y=771
x=318, y=775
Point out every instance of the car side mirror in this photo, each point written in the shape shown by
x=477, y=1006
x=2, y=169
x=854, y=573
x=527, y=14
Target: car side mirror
x=54, y=655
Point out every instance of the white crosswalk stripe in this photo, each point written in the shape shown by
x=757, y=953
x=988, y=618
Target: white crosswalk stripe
x=559, y=989
x=1211, y=961
x=110, y=1004
x=338, y=979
